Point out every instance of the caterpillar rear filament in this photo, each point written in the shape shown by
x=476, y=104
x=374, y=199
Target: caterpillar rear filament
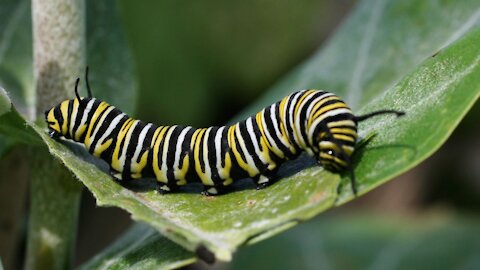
x=314, y=121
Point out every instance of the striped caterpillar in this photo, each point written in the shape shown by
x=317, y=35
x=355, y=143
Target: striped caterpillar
x=314, y=121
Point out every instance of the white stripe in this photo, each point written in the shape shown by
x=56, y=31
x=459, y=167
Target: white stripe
x=72, y=118
x=178, y=151
x=218, y=152
x=109, y=130
x=85, y=115
x=275, y=122
x=208, y=170
x=316, y=101
x=290, y=117
x=165, y=150
x=139, y=148
x=128, y=140
x=247, y=155
x=253, y=137
x=270, y=139
x=297, y=120
x=100, y=123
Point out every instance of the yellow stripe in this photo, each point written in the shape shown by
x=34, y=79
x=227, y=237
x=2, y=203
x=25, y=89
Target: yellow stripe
x=328, y=108
x=341, y=123
x=295, y=112
x=51, y=118
x=318, y=105
x=98, y=112
x=183, y=171
x=297, y=105
x=343, y=137
x=116, y=151
x=233, y=146
x=196, y=155
x=64, y=111
x=282, y=123
x=137, y=168
x=73, y=116
x=348, y=131
x=156, y=169
x=334, y=159
x=276, y=150
x=264, y=143
x=104, y=146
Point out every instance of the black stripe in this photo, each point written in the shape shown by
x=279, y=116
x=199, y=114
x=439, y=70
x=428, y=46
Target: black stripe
x=160, y=147
x=224, y=147
x=250, y=146
x=271, y=128
x=172, y=153
x=97, y=122
x=81, y=109
x=199, y=140
x=57, y=113
x=132, y=144
x=108, y=153
x=212, y=155
x=69, y=116
x=303, y=116
x=103, y=127
x=124, y=139
x=330, y=119
x=186, y=150
x=259, y=136
x=288, y=154
x=95, y=105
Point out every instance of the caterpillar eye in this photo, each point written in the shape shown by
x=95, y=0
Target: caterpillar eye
x=331, y=153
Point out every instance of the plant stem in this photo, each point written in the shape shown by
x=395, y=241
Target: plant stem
x=59, y=42
x=59, y=45
x=52, y=227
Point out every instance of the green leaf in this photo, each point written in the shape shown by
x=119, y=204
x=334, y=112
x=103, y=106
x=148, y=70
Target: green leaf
x=381, y=41
x=13, y=125
x=435, y=96
x=370, y=242
x=142, y=247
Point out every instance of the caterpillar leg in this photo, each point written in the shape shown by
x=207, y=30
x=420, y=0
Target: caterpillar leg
x=163, y=188
x=264, y=180
x=117, y=176
x=213, y=190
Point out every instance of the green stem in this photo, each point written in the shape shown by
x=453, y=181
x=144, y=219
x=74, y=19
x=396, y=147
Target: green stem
x=59, y=44
x=52, y=227
x=13, y=192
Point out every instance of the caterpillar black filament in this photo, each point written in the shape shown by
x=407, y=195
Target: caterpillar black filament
x=314, y=121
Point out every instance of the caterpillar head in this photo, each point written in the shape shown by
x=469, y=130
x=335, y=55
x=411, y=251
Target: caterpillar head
x=55, y=120
x=55, y=117
x=337, y=143
x=334, y=155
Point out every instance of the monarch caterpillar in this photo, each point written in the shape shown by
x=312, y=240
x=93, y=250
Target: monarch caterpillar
x=314, y=121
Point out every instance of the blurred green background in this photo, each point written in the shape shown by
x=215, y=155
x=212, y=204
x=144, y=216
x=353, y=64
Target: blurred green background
x=199, y=62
